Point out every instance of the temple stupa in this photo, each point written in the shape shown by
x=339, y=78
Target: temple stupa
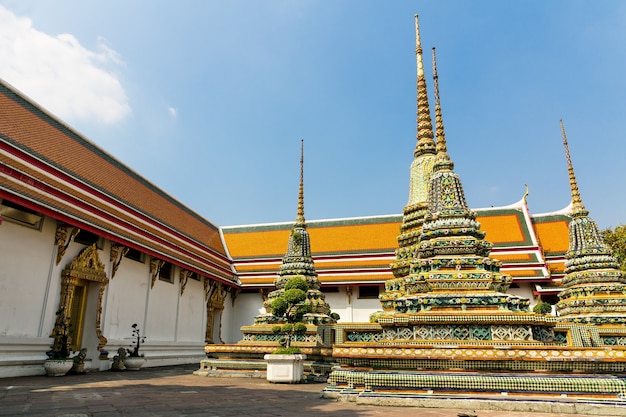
x=449, y=327
x=245, y=358
x=298, y=262
x=595, y=288
x=461, y=293
x=405, y=278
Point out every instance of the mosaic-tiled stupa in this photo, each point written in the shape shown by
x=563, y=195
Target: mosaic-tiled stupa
x=245, y=358
x=405, y=280
x=450, y=328
x=465, y=297
x=595, y=288
x=299, y=262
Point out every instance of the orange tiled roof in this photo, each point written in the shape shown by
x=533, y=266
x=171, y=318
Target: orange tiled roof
x=504, y=229
x=359, y=250
x=552, y=233
x=56, y=171
x=553, y=236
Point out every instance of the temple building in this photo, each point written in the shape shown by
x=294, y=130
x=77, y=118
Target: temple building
x=86, y=238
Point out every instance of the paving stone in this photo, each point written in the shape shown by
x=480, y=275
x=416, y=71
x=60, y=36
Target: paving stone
x=174, y=392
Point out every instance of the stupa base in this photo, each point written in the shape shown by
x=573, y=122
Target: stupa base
x=565, y=403
x=563, y=379
x=478, y=384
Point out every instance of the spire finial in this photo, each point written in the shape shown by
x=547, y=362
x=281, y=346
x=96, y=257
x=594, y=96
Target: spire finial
x=425, y=136
x=443, y=159
x=300, y=217
x=577, y=202
x=418, y=48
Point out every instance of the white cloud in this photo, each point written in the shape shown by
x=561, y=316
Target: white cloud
x=173, y=112
x=60, y=74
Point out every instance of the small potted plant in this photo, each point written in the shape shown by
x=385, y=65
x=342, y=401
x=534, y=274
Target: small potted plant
x=135, y=360
x=59, y=361
x=286, y=364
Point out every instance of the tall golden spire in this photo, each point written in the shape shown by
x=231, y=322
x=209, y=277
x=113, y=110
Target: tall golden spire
x=442, y=150
x=300, y=216
x=424, y=154
x=419, y=184
x=578, y=207
x=298, y=259
x=425, y=136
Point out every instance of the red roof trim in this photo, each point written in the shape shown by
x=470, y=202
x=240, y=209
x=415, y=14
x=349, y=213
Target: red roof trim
x=44, y=188
x=107, y=198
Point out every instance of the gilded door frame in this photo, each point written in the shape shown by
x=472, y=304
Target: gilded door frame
x=85, y=266
x=77, y=314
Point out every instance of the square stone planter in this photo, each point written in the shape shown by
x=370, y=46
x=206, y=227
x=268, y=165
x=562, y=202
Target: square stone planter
x=285, y=368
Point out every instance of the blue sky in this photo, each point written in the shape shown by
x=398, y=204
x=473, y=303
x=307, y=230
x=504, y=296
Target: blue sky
x=209, y=99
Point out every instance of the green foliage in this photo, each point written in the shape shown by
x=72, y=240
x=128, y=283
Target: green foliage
x=279, y=307
x=542, y=308
x=294, y=296
x=290, y=307
x=299, y=328
x=297, y=283
x=616, y=239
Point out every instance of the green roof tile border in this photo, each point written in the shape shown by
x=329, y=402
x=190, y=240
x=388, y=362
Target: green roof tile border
x=312, y=224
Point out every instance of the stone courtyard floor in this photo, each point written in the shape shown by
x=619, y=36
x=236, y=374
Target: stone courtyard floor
x=175, y=391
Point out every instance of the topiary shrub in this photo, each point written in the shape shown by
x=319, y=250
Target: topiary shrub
x=290, y=308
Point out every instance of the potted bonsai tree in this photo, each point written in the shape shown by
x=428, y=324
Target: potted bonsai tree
x=59, y=361
x=134, y=360
x=286, y=364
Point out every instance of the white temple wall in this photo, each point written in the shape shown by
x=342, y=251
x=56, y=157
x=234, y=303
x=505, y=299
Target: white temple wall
x=129, y=286
x=248, y=305
x=26, y=258
x=525, y=290
x=161, y=310
x=26, y=261
x=350, y=306
x=227, y=333
x=126, y=300
x=30, y=290
x=191, y=313
x=173, y=325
